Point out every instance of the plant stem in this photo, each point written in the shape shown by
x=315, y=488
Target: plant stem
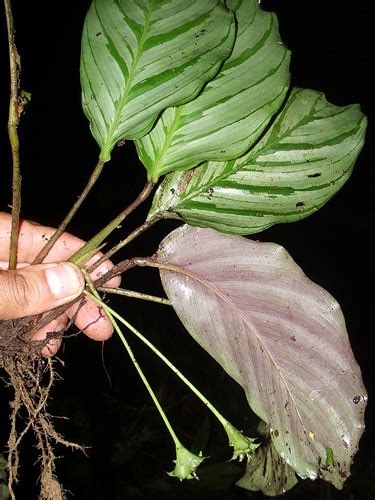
x=135, y=295
x=170, y=365
x=80, y=257
x=134, y=360
x=16, y=106
x=92, y=180
x=145, y=381
x=120, y=268
x=152, y=262
x=137, y=232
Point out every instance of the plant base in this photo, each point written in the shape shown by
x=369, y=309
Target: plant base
x=31, y=378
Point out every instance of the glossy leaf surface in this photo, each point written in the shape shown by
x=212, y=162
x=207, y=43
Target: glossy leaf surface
x=139, y=57
x=302, y=161
x=279, y=335
x=233, y=109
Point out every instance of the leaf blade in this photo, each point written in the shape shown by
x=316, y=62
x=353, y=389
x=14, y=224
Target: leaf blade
x=141, y=56
x=304, y=159
x=279, y=335
x=267, y=472
x=247, y=91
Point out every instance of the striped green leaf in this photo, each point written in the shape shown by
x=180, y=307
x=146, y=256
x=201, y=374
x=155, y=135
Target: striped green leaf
x=139, y=57
x=301, y=162
x=233, y=109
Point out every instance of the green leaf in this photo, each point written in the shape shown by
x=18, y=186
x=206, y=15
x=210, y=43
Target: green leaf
x=233, y=109
x=329, y=460
x=25, y=97
x=301, y=162
x=266, y=471
x=139, y=57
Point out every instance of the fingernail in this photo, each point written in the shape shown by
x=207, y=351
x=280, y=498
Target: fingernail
x=65, y=280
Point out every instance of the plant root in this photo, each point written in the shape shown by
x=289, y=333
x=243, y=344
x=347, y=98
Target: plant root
x=31, y=378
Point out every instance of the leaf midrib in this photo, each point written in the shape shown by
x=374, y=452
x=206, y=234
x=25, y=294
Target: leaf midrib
x=157, y=169
x=267, y=146
x=181, y=270
x=128, y=85
x=222, y=74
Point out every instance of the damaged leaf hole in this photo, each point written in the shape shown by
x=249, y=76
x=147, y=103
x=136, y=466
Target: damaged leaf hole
x=312, y=176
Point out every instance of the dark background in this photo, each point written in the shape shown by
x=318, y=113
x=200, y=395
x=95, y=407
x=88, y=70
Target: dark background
x=130, y=448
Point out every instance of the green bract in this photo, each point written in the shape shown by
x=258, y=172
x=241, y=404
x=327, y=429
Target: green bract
x=243, y=446
x=186, y=463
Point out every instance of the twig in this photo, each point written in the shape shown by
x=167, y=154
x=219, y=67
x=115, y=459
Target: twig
x=134, y=234
x=92, y=180
x=80, y=257
x=120, y=268
x=17, y=102
x=236, y=438
x=94, y=295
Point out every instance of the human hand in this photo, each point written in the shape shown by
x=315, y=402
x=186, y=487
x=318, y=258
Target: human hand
x=31, y=290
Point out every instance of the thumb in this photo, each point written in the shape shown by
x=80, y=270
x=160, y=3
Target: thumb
x=37, y=289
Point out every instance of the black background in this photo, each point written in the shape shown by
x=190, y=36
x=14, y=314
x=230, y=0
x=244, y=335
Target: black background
x=130, y=447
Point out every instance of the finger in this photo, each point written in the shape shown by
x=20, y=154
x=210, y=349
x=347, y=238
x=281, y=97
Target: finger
x=102, y=269
x=91, y=320
x=37, y=289
x=57, y=325
x=4, y=265
x=114, y=282
x=32, y=238
x=51, y=348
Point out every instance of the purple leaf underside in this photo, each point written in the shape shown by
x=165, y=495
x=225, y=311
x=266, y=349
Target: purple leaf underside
x=279, y=335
